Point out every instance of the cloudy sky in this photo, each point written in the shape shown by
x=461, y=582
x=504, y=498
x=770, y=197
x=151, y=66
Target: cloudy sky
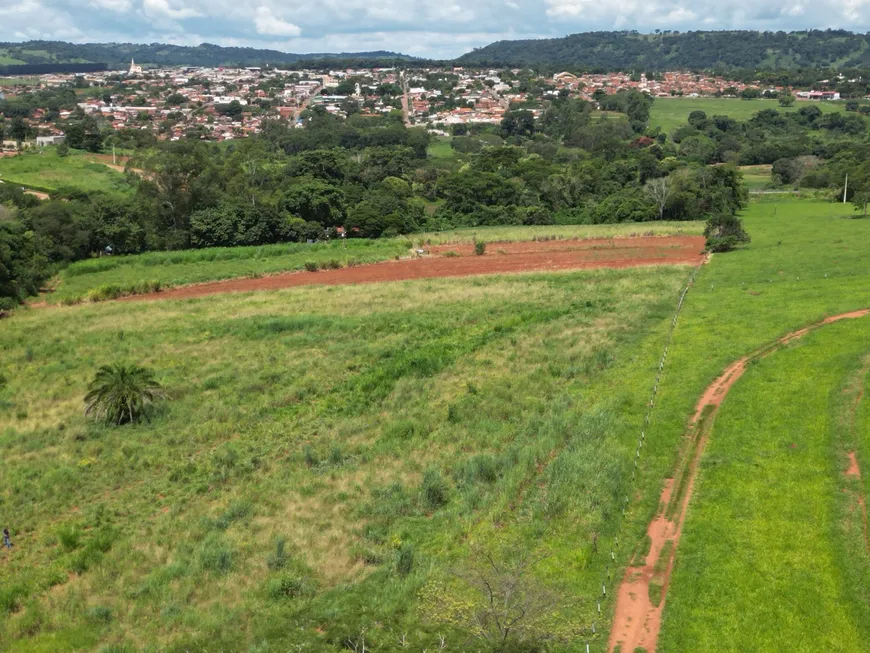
x=429, y=28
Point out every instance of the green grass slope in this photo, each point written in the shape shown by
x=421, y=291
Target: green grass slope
x=360, y=426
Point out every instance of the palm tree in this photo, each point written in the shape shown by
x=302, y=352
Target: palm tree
x=119, y=393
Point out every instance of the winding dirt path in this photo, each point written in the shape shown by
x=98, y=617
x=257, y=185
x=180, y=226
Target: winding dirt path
x=638, y=616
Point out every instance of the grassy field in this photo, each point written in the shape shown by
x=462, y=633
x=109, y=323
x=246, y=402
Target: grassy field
x=328, y=460
x=15, y=81
x=670, y=113
x=105, y=277
x=97, y=278
x=741, y=568
x=513, y=233
x=756, y=177
x=386, y=432
x=439, y=148
x=766, y=562
x=44, y=170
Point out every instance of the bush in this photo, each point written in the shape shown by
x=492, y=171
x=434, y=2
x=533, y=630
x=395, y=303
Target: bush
x=724, y=232
x=278, y=558
x=286, y=586
x=479, y=248
x=434, y=489
x=215, y=555
x=121, y=393
x=311, y=266
x=405, y=560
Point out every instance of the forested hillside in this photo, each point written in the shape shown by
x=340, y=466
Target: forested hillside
x=119, y=54
x=670, y=50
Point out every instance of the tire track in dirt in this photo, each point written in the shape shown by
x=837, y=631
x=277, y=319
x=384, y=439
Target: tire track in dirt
x=637, y=619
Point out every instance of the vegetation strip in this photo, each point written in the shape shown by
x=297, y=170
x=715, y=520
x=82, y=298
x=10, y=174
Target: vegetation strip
x=638, y=618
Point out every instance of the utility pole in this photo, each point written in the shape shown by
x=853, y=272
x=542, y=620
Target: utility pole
x=845, y=188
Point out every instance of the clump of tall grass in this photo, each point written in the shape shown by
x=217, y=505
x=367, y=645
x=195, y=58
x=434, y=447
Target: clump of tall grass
x=215, y=555
x=434, y=490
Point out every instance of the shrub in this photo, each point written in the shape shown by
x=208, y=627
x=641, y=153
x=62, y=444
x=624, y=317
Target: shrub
x=311, y=266
x=215, y=555
x=479, y=248
x=99, y=614
x=10, y=598
x=405, y=560
x=121, y=393
x=724, y=232
x=286, y=586
x=278, y=558
x=69, y=537
x=434, y=489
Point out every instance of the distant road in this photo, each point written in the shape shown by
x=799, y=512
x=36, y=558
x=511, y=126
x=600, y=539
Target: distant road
x=306, y=103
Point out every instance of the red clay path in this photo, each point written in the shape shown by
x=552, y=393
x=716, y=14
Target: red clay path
x=500, y=258
x=637, y=620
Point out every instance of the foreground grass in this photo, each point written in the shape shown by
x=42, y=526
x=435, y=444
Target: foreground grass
x=805, y=262
x=319, y=417
x=670, y=113
x=759, y=565
x=103, y=278
x=45, y=171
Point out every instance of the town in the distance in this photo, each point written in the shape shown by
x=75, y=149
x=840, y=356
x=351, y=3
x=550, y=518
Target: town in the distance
x=218, y=104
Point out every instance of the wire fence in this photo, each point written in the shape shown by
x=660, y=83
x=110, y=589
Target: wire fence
x=607, y=585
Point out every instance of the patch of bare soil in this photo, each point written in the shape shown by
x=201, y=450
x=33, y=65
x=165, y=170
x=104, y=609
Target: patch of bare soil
x=637, y=620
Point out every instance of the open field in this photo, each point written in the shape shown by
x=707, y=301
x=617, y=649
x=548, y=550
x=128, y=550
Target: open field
x=461, y=261
x=381, y=432
x=127, y=274
x=15, y=81
x=514, y=233
x=670, y=113
x=740, y=302
x=419, y=421
x=790, y=567
x=756, y=178
x=44, y=170
x=112, y=276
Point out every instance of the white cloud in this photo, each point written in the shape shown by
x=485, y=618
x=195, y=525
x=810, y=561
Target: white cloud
x=268, y=23
x=430, y=28
x=161, y=8
x=120, y=6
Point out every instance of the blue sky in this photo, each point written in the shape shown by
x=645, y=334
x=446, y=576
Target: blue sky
x=429, y=28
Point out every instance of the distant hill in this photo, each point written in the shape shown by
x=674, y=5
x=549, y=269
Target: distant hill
x=118, y=55
x=674, y=50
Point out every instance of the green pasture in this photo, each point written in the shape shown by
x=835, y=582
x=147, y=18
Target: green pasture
x=557, y=232
x=767, y=562
x=741, y=568
x=45, y=171
x=439, y=148
x=670, y=113
x=328, y=461
x=386, y=432
x=102, y=277
x=756, y=178
x=15, y=81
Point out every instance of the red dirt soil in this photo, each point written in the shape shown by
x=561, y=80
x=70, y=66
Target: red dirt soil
x=637, y=622
x=518, y=257
x=853, y=471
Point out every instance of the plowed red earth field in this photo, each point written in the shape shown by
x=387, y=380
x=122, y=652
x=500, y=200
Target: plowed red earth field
x=499, y=258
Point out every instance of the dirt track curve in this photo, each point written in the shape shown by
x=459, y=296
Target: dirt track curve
x=500, y=258
x=637, y=620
